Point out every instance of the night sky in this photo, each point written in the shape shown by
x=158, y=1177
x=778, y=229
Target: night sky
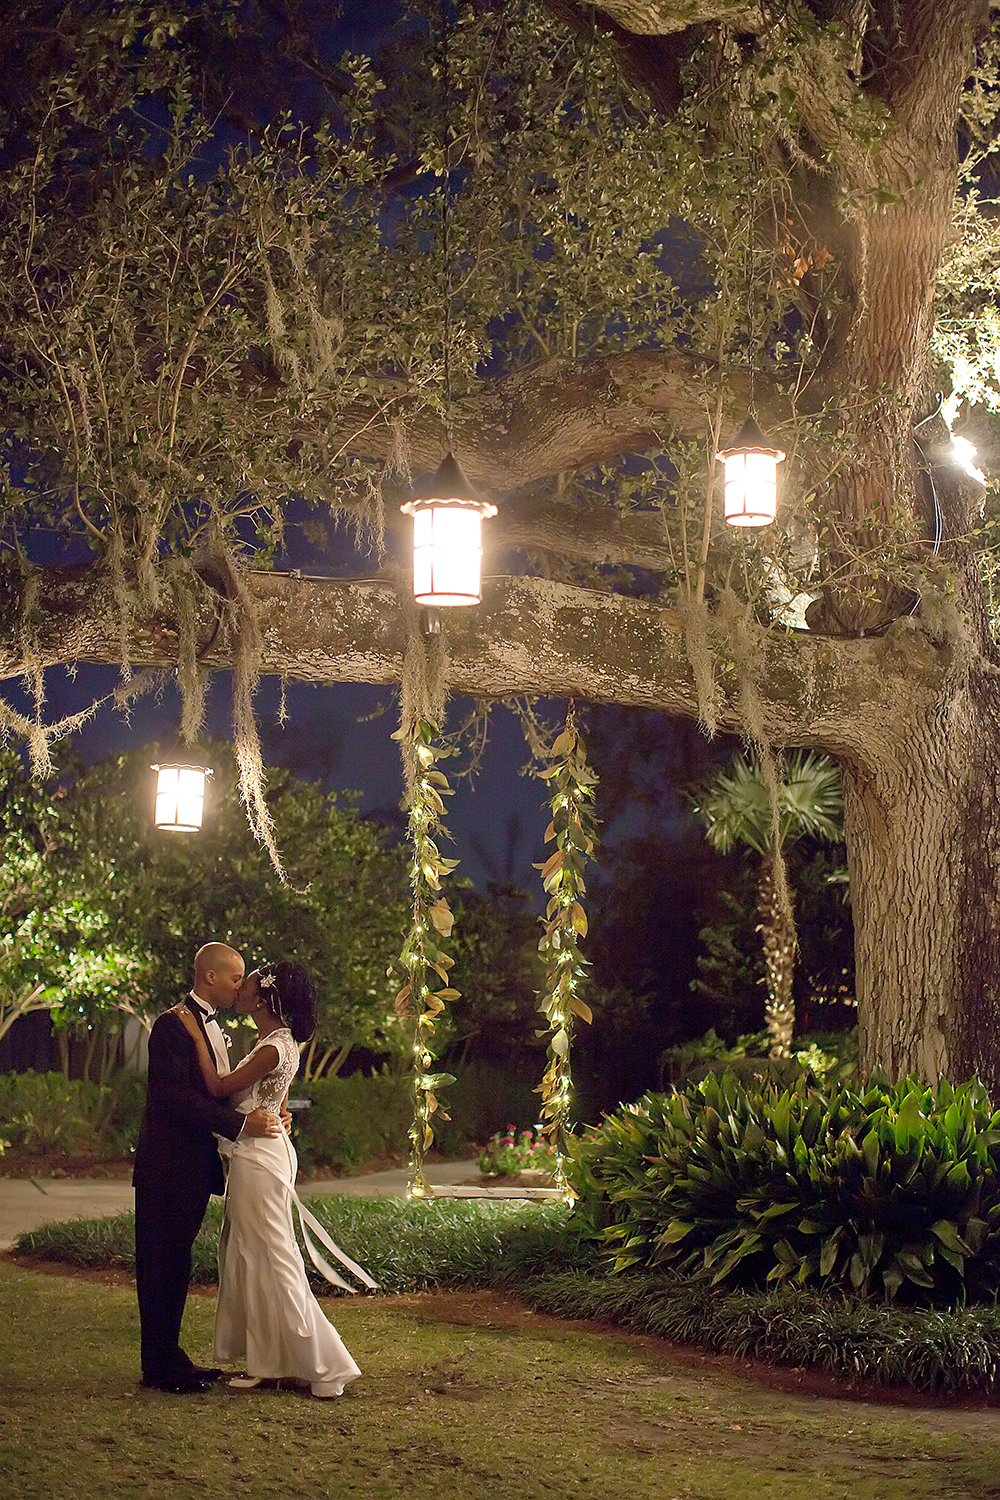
x=338, y=734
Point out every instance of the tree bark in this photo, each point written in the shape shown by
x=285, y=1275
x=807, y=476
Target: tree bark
x=923, y=839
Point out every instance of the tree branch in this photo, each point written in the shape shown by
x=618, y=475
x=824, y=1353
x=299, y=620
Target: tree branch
x=530, y=636
x=662, y=17
x=558, y=416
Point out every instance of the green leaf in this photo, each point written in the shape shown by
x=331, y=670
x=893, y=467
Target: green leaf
x=676, y=1230
x=831, y=1248
x=949, y=1236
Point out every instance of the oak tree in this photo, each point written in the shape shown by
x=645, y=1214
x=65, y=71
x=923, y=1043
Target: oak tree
x=658, y=214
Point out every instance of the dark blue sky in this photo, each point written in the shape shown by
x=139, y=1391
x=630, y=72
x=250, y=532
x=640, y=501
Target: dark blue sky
x=339, y=734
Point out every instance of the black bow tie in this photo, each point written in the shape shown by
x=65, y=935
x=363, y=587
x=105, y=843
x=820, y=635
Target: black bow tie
x=209, y=1015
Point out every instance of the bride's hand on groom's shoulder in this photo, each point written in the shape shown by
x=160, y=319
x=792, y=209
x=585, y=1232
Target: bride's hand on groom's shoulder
x=185, y=1017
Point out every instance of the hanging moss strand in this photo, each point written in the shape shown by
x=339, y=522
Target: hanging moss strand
x=572, y=829
x=424, y=961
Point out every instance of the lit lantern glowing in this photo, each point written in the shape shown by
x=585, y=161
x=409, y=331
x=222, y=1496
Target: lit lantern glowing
x=447, y=538
x=180, y=796
x=751, y=479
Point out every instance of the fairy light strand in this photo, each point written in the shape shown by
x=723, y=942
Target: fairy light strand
x=572, y=785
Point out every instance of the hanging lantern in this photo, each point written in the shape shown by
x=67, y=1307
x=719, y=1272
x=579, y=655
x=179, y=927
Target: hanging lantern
x=180, y=796
x=751, y=484
x=447, y=538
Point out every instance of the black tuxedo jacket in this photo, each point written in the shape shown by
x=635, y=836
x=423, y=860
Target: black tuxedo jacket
x=176, y=1153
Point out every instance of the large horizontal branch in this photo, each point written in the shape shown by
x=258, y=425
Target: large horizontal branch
x=662, y=17
x=529, y=636
x=560, y=416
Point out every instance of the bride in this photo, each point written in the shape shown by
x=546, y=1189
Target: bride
x=267, y=1316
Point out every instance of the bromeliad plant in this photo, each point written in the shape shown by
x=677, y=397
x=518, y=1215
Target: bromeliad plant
x=890, y=1192
x=572, y=789
x=424, y=960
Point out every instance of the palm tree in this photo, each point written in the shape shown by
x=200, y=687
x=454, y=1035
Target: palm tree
x=736, y=807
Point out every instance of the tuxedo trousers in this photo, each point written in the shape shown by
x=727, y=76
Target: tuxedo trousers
x=166, y=1226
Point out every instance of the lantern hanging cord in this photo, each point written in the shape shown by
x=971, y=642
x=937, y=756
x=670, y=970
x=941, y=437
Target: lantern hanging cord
x=445, y=204
x=749, y=281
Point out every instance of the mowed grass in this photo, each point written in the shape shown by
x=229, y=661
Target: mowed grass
x=492, y=1404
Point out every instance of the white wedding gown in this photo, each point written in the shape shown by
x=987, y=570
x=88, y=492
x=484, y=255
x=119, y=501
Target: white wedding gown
x=267, y=1317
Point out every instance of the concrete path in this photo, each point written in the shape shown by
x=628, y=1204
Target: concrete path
x=28, y=1202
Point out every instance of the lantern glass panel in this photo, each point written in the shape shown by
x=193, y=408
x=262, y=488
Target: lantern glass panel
x=180, y=798
x=447, y=554
x=750, y=497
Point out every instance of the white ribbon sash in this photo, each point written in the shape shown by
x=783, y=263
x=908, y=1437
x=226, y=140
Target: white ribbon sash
x=307, y=1222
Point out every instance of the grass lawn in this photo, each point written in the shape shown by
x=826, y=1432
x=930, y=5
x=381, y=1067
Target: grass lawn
x=464, y=1397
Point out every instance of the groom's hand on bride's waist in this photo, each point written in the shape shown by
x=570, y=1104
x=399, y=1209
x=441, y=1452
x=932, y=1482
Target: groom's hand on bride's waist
x=261, y=1122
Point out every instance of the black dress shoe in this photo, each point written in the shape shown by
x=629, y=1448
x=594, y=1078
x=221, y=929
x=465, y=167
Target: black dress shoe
x=200, y=1374
x=178, y=1385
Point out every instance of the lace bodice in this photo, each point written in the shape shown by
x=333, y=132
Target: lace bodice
x=269, y=1091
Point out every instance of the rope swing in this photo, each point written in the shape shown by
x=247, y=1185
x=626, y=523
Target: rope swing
x=425, y=962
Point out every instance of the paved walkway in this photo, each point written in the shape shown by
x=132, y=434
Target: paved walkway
x=28, y=1202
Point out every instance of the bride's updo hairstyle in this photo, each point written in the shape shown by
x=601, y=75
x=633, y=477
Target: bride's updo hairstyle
x=286, y=989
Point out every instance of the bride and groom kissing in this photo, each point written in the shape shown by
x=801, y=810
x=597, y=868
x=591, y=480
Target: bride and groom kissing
x=267, y=1319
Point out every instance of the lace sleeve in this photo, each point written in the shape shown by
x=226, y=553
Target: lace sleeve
x=269, y=1092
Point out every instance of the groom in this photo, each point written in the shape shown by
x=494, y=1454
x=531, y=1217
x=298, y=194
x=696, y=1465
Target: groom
x=177, y=1166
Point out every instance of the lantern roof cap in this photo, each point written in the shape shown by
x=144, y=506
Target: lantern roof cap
x=182, y=757
x=451, y=484
x=751, y=439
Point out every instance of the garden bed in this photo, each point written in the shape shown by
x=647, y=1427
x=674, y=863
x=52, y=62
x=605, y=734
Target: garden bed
x=24, y=1164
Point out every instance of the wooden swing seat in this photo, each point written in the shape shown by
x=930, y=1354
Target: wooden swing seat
x=537, y=1193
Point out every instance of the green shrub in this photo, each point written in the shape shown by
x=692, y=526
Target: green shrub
x=827, y=1057
x=355, y=1119
x=406, y=1247
x=891, y=1191
x=927, y=1349
x=48, y=1112
x=120, y=1112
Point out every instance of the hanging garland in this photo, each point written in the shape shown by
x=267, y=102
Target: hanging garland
x=424, y=960
x=573, y=829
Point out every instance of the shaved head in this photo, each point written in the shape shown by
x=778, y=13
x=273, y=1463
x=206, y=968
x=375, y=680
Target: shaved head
x=218, y=974
x=213, y=956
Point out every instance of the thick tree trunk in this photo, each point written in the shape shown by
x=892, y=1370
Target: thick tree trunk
x=923, y=838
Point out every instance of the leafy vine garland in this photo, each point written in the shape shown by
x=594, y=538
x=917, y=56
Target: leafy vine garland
x=424, y=960
x=572, y=787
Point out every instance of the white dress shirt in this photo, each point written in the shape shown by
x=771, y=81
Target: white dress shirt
x=216, y=1039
